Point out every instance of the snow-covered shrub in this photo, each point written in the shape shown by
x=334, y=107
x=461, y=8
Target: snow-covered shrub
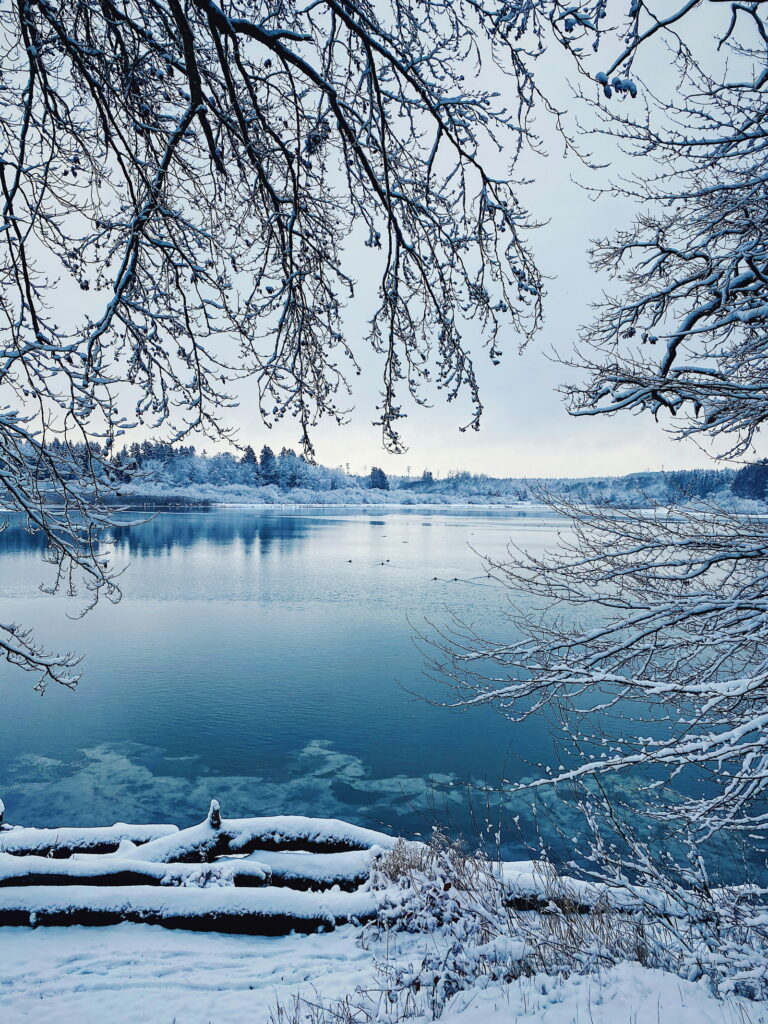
x=485, y=925
x=457, y=899
x=452, y=921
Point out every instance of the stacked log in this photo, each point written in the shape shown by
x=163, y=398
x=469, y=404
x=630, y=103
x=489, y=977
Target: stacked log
x=258, y=876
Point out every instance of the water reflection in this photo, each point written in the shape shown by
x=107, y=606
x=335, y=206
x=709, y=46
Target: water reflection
x=15, y=540
x=136, y=782
x=169, y=532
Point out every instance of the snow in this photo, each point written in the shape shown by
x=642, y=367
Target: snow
x=175, y=476
x=243, y=834
x=233, y=909
x=625, y=994
x=280, y=868
x=530, y=881
x=137, y=974
x=161, y=875
x=91, y=866
x=272, y=879
x=15, y=839
x=314, y=867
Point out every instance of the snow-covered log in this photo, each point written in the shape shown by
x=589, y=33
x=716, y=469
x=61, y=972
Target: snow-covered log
x=63, y=842
x=300, y=870
x=266, y=911
x=296, y=870
x=119, y=869
x=262, y=876
x=245, y=835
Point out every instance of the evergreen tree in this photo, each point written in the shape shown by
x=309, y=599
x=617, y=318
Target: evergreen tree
x=250, y=466
x=268, y=465
x=378, y=479
x=752, y=481
x=288, y=468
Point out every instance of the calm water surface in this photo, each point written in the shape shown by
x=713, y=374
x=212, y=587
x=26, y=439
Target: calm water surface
x=267, y=659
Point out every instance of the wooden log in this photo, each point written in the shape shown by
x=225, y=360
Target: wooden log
x=115, y=870
x=64, y=842
x=266, y=911
x=206, y=842
x=261, y=876
x=315, y=872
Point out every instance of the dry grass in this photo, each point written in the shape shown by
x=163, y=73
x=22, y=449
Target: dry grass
x=477, y=930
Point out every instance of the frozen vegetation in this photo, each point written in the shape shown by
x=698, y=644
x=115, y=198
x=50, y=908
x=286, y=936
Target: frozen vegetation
x=160, y=473
x=137, y=974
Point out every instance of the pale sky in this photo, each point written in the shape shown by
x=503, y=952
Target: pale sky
x=526, y=430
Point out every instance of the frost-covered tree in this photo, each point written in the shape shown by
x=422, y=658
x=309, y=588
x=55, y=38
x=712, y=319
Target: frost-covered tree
x=377, y=479
x=752, y=481
x=685, y=334
x=268, y=465
x=248, y=458
x=660, y=619
x=193, y=172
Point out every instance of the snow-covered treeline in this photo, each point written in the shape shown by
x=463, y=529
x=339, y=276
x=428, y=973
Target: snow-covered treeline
x=160, y=471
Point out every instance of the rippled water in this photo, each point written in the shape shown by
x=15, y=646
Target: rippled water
x=267, y=659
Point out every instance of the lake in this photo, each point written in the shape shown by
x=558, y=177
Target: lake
x=267, y=659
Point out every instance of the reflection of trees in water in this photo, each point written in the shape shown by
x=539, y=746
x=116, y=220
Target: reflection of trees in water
x=167, y=532
x=14, y=539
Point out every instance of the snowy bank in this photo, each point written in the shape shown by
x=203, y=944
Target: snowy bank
x=135, y=974
x=261, y=876
x=396, y=931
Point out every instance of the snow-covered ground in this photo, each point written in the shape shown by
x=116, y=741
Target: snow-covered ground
x=516, y=494
x=139, y=974
x=439, y=921
x=626, y=994
x=345, y=497
x=164, y=477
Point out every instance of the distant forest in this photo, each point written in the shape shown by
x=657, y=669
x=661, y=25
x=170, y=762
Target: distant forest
x=158, y=468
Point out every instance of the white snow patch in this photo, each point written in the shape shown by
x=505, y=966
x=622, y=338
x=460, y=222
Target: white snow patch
x=138, y=974
x=625, y=994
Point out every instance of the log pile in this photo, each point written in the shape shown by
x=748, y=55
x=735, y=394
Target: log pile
x=257, y=876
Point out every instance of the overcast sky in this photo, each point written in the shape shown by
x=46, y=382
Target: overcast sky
x=526, y=430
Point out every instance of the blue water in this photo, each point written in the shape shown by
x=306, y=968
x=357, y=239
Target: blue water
x=268, y=659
